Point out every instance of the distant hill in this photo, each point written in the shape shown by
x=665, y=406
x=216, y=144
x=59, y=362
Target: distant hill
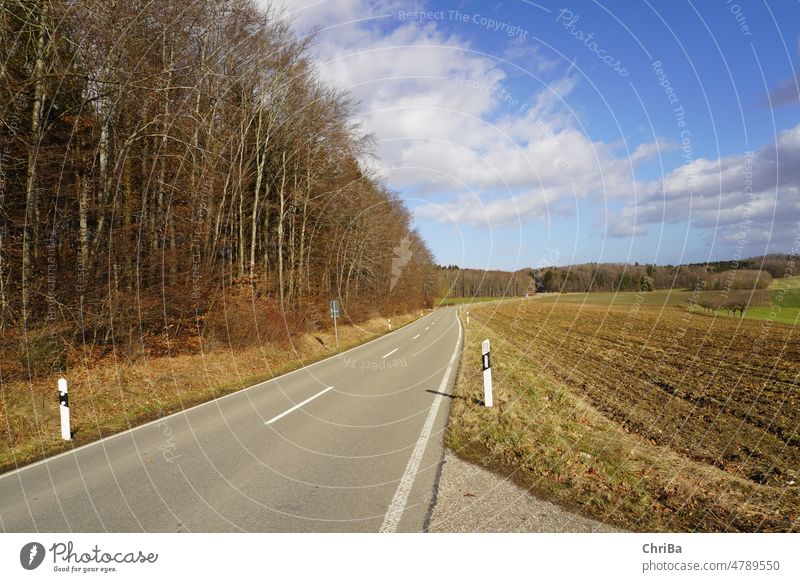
x=750, y=273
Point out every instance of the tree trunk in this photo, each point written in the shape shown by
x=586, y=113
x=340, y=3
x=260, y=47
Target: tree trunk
x=267, y=270
x=292, y=256
x=30, y=183
x=301, y=269
x=3, y=303
x=261, y=158
x=127, y=195
x=162, y=152
x=212, y=249
x=240, y=238
x=103, y=192
x=281, y=217
x=83, y=226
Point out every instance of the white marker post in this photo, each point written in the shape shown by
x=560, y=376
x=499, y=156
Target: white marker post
x=486, y=362
x=390, y=324
x=334, y=314
x=63, y=401
x=467, y=316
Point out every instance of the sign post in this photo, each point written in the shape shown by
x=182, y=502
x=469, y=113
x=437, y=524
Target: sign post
x=63, y=401
x=334, y=314
x=486, y=364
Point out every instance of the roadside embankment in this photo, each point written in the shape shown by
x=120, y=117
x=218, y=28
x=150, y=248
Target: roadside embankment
x=646, y=417
x=116, y=394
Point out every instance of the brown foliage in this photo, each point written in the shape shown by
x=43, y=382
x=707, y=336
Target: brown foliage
x=164, y=159
x=242, y=320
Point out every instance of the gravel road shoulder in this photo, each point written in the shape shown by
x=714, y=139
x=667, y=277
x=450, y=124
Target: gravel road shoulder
x=472, y=499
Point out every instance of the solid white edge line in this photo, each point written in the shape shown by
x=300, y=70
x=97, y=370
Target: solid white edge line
x=392, y=518
x=133, y=429
x=389, y=354
x=296, y=406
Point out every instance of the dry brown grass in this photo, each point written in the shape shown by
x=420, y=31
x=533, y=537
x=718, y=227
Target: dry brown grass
x=115, y=393
x=651, y=419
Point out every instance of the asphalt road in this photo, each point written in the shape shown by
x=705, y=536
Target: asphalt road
x=351, y=443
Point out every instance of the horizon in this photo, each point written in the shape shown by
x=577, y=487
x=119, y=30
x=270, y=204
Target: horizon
x=634, y=264
x=603, y=133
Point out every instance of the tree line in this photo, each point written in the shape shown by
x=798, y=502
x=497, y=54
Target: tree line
x=158, y=155
x=457, y=282
x=734, y=302
x=614, y=277
x=746, y=274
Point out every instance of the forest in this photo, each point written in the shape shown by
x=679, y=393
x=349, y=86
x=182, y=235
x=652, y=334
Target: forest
x=176, y=168
x=457, y=282
x=750, y=273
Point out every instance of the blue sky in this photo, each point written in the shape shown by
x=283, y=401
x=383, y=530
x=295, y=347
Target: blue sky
x=530, y=133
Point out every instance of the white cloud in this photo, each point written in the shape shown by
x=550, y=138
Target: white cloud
x=521, y=51
x=440, y=109
x=753, y=196
x=506, y=211
x=445, y=123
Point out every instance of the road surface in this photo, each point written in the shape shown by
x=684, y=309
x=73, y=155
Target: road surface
x=351, y=443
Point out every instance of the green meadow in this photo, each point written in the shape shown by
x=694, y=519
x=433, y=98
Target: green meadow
x=784, y=294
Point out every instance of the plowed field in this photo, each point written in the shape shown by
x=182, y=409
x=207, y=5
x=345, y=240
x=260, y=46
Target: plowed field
x=717, y=396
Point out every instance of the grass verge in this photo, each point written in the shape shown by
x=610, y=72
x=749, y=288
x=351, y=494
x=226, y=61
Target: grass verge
x=556, y=435
x=115, y=395
x=785, y=301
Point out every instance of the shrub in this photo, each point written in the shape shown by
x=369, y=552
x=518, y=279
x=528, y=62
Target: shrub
x=737, y=280
x=45, y=354
x=242, y=320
